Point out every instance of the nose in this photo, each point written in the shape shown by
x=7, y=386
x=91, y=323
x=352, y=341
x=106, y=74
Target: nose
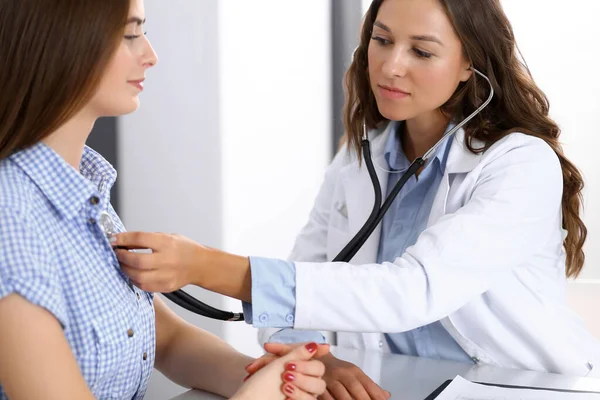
x=150, y=58
x=395, y=63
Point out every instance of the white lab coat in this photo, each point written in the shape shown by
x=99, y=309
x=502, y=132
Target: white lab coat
x=490, y=264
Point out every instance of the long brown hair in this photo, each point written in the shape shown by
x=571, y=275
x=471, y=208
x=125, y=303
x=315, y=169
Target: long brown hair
x=52, y=56
x=519, y=105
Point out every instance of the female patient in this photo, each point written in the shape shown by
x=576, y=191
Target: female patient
x=71, y=324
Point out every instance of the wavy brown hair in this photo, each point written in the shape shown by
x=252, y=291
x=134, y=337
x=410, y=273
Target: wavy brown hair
x=519, y=105
x=52, y=56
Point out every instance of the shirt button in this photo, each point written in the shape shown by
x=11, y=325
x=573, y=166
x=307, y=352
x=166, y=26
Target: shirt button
x=94, y=200
x=145, y=356
x=263, y=317
x=380, y=344
x=289, y=318
x=475, y=360
x=130, y=333
x=138, y=295
x=92, y=221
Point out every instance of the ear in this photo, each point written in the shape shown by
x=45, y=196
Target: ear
x=465, y=73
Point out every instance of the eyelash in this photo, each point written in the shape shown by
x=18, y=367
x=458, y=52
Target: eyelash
x=133, y=37
x=422, y=54
x=385, y=42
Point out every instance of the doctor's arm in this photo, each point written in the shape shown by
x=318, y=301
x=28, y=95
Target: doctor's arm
x=512, y=209
x=169, y=269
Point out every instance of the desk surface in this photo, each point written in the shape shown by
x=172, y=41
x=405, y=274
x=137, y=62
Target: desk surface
x=414, y=378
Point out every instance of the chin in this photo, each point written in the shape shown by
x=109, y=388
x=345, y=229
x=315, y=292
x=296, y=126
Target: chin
x=395, y=113
x=126, y=108
x=133, y=107
x=122, y=108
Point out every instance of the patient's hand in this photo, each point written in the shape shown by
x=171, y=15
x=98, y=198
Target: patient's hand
x=292, y=375
x=343, y=379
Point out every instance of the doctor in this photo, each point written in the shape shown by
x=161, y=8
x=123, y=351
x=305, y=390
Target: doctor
x=470, y=262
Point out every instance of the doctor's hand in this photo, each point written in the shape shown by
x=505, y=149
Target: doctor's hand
x=176, y=261
x=167, y=268
x=291, y=376
x=344, y=380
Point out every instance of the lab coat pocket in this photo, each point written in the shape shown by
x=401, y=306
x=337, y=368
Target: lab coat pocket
x=339, y=216
x=594, y=371
x=336, y=240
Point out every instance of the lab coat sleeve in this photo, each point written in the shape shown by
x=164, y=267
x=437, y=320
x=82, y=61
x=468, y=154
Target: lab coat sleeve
x=511, y=212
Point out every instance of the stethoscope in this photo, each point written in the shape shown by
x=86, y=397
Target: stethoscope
x=194, y=305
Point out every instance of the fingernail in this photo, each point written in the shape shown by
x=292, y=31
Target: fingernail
x=249, y=365
x=289, y=389
x=112, y=239
x=288, y=377
x=290, y=367
x=311, y=347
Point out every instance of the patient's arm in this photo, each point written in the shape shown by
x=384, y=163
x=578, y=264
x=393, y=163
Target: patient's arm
x=195, y=358
x=36, y=360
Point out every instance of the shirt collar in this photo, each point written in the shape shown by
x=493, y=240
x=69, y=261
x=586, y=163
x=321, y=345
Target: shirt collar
x=65, y=188
x=396, y=158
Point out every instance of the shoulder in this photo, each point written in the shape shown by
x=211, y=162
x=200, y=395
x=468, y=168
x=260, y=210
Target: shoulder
x=18, y=193
x=522, y=148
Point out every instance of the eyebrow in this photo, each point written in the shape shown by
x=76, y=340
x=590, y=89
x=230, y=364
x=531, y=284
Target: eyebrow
x=137, y=20
x=425, y=38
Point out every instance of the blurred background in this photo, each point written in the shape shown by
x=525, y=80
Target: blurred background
x=242, y=115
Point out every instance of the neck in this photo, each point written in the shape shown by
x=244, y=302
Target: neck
x=69, y=140
x=422, y=132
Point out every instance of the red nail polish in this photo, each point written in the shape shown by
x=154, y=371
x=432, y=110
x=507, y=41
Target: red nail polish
x=291, y=367
x=311, y=347
x=246, y=378
x=289, y=389
x=249, y=365
x=288, y=377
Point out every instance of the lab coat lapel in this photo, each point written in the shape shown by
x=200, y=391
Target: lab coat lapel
x=360, y=196
x=460, y=161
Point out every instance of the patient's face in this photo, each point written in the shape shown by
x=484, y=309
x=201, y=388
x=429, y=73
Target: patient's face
x=122, y=83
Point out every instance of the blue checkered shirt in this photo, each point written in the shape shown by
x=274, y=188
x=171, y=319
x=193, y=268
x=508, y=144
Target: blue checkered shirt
x=54, y=254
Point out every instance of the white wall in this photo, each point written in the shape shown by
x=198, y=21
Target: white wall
x=233, y=135
x=275, y=126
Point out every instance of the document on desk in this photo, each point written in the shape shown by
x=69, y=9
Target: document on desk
x=462, y=389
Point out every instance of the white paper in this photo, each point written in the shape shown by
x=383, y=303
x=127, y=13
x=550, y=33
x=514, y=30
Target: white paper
x=462, y=389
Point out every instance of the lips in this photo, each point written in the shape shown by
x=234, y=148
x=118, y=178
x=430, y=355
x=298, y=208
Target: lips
x=138, y=83
x=393, y=89
x=392, y=92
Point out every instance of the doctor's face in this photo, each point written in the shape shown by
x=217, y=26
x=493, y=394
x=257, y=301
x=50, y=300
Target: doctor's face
x=123, y=79
x=415, y=58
